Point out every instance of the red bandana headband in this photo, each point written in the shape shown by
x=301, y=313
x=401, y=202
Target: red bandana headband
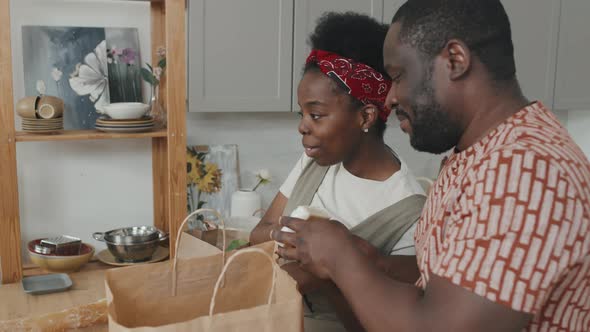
x=357, y=79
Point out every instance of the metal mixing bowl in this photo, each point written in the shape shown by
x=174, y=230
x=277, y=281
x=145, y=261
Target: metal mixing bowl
x=130, y=248
x=129, y=235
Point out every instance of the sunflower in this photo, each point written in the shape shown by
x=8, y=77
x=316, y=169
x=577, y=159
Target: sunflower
x=205, y=176
x=211, y=181
x=193, y=168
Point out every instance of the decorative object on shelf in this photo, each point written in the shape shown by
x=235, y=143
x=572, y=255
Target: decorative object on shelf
x=41, y=126
x=59, y=263
x=245, y=202
x=27, y=107
x=126, y=111
x=64, y=245
x=263, y=176
x=87, y=67
x=225, y=156
x=107, y=257
x=153, y=76
x=204, y=177
x=132, y=244
x=45, y=284
x=125, y=126
x=41, y=114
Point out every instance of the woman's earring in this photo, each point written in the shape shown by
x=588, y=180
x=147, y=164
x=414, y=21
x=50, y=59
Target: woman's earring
x=366, y=130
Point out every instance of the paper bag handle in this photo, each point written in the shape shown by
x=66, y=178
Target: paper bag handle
x=230, y=260
x=218, y=215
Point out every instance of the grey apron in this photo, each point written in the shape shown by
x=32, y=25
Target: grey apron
x=383, y=229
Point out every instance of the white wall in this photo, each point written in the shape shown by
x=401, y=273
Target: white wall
x=78, y=188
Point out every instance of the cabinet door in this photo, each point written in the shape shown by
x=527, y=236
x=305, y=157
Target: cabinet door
x=390, y=7
x=572, y=90
x=306, y=14
x=240, y=55
x=535, y=27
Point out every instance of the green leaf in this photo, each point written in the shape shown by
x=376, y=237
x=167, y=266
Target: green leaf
x=235, y=244
x=150, y=67
x=200, y=204
x=147, y=76
x=162, y=63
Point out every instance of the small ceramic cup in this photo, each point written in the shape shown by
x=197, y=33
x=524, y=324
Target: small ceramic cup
x=27, y=107
x=50, y=107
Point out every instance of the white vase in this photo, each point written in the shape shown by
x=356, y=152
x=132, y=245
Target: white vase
x=244, y=203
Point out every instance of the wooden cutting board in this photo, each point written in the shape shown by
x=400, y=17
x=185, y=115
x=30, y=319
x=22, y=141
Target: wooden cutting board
x=88, y=288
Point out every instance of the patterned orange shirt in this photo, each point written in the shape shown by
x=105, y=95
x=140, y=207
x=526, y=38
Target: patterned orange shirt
x=509, y=219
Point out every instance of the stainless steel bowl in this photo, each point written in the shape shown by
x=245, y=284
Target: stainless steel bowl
x=129, y=235
x=132, y=249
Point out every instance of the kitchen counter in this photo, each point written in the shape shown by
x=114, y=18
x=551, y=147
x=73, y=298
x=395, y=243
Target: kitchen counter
x=88, y=288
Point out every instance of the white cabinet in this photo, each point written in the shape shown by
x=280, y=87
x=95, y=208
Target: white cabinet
x=249, y=55
x=240, y=55
x=535, y=27
x=306, y=14
x=572, y=89
x=390, y=7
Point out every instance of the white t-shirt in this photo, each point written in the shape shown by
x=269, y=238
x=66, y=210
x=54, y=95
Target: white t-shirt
x=350, y=199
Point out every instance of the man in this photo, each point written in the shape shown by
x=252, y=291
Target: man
x=503, y=243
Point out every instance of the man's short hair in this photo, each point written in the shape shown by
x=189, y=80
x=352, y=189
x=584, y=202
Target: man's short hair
x=482, y=25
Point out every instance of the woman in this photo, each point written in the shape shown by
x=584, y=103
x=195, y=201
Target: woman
x=347, y=169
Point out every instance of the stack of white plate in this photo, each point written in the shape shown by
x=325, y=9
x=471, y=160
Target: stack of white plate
x=125, y=126
x=42, y=125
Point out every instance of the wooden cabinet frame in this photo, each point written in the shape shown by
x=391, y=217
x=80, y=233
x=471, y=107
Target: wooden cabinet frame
x=168, y=145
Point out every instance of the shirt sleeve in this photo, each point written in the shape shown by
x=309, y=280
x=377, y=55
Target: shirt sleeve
x=513, y=231
x=287, y=186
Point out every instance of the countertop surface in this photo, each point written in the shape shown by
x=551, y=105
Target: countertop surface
x=88, y=287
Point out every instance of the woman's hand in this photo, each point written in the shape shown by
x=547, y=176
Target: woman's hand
x=270, y=220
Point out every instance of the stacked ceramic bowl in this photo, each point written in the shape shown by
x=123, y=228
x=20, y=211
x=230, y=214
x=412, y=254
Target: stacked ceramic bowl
x=41, y=114
x=125, y=118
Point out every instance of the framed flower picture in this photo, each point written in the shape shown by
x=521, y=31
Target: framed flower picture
x=212, y=177
x=86, y=67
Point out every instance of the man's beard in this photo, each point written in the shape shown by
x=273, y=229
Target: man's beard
x=432, y=128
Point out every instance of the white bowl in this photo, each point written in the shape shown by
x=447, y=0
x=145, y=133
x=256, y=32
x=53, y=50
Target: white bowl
x=126, y=110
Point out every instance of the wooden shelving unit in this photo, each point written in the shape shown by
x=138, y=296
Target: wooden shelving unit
x=168, y=145
x=77, y=135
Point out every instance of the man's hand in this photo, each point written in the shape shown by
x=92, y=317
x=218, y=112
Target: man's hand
x=366, y=248
x=316, y=244
x=306, y=282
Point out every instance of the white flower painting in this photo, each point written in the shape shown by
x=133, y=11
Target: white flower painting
x=90, y=78
x=86, y=67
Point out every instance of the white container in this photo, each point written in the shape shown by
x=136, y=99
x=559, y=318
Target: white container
x=122, y=111
x=244, y=203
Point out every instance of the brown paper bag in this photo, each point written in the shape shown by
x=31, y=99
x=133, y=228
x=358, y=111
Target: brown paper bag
x=248, y=293
x=191, y=247
x=215, y=236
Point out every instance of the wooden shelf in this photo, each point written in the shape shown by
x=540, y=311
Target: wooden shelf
x=168, y=150
x=90, y=134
